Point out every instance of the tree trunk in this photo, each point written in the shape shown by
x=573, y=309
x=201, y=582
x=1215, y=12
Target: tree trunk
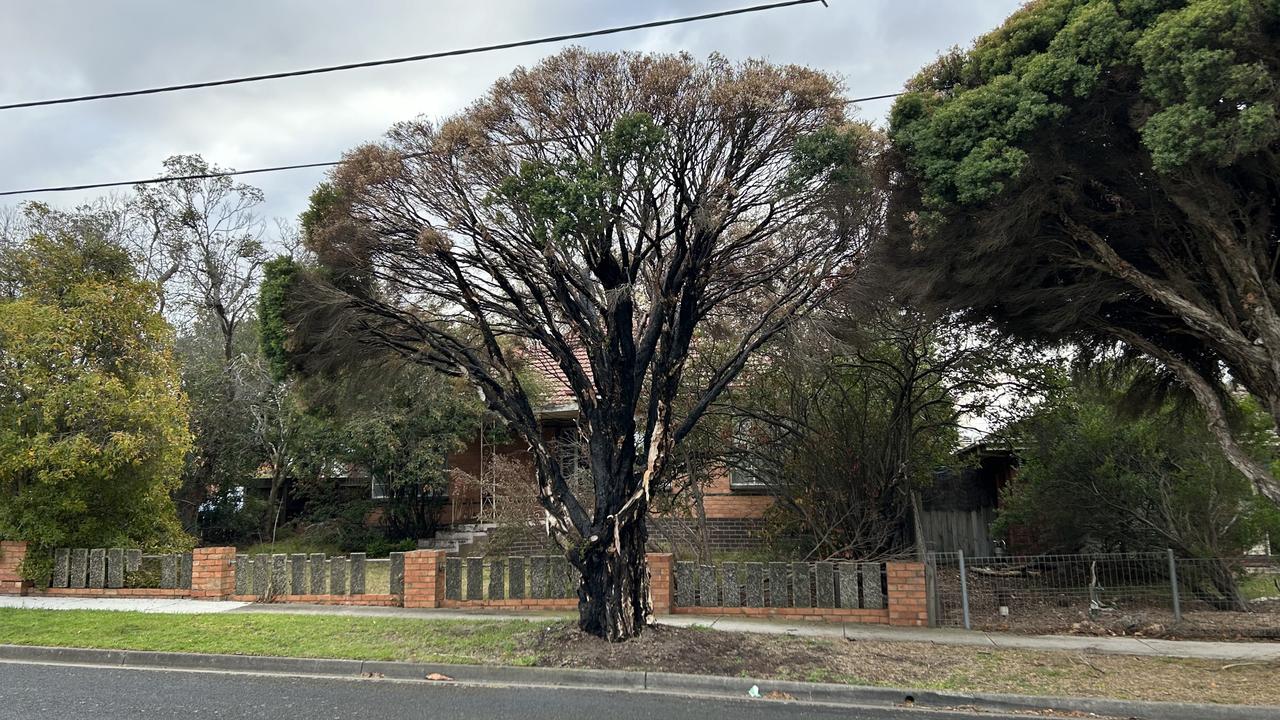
x=267, y=528
x=1210, y=400
x=1225, y=587
x=613, y=596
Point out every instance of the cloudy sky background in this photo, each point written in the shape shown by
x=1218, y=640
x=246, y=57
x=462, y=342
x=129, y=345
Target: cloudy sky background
x=55, y=48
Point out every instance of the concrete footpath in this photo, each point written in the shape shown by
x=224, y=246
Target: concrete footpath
x=1231, y=651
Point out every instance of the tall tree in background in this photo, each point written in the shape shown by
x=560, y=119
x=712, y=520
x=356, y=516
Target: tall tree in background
x=608, y=210
x=200, y=241
x=1098, y=171
x=203, y=241
x=93, y=422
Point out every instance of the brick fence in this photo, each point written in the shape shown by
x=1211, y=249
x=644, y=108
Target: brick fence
x=12, y=553
x=908, y=597
x=432, y=580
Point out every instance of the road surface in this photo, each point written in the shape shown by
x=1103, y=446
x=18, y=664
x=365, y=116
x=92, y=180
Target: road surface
x=98, y=693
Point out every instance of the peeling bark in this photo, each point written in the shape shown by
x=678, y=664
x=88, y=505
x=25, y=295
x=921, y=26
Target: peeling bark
x=613, y=596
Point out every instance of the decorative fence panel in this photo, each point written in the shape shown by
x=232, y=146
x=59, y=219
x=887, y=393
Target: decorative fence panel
x=892, y=593
x=518, y=581
x=119, y=569
x=753, y=588
x=351, y=579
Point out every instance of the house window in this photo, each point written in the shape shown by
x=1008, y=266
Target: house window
x=570, y=449
x=745, y=471
x=378, y=489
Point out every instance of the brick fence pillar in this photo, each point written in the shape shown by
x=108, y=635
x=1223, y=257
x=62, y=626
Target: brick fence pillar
x=423, y=578
x=660, y=567
x=213, y=573
x=908, y=599
x=12, y=553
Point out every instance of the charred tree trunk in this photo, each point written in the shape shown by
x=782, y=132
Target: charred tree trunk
x=613, y=596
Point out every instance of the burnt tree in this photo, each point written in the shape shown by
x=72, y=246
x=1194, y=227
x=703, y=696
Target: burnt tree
x=616, y=213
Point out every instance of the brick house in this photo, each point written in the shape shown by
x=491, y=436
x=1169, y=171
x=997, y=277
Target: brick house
x=734, y=504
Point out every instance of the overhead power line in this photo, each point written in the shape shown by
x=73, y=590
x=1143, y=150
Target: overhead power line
x=410, y=58
x=328, y=163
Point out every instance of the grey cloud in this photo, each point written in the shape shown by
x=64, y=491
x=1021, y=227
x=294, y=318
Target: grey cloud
x=61, y=47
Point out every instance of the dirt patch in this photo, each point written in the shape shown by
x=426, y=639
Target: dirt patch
x=680, y=650
x=916, y=665
x=1260, y=626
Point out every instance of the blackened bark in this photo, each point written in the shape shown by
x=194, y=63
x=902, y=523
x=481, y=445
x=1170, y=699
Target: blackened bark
x=613, y=596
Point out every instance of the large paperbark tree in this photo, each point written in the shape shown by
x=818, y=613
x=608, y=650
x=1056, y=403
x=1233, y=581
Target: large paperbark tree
x=1101, y=172
x=610, y=211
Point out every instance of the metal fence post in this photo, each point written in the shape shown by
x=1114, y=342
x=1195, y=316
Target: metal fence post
x=931, y=588
x=964, y=590
x=1173, y=587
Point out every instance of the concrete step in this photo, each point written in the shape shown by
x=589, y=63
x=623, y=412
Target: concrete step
x=473, y=527
x=459, y=539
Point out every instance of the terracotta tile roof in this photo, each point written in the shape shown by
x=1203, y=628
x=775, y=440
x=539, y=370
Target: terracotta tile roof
x=559, y=392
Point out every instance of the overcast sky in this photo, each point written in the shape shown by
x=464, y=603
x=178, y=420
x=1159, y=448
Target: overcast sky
x=55, y=48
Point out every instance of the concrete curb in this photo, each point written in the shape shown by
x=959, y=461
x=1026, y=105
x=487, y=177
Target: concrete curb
x=656, y=682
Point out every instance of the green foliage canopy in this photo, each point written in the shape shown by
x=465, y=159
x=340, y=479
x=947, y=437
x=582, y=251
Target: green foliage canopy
x=1097, y=478
x=273, y=329
x=1103, y=171
x=93, y=422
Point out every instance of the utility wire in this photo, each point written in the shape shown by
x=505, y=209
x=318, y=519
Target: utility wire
x=331, y=163
x=410, y=58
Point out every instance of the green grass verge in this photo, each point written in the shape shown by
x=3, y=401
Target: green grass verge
x=556, y=644
x=357, y=638
x=1258, y=586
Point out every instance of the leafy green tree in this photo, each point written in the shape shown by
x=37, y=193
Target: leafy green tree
x=846, y=420
x=203, y=244
x=399, y=428
x=93, y=421
x=224, y=454
x=1098, y=478
x=1102, y=172
x=273, y=329
x=375, y=413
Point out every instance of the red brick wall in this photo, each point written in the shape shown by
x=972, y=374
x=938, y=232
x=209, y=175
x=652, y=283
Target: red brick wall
x=113, y=592
x=213, y=577
x=721, y=501
x=213, y=573
x=526, y=604
x=908, y=599
x=424, y=578
x=464, y=498
x=661, y=566
x=12, y=553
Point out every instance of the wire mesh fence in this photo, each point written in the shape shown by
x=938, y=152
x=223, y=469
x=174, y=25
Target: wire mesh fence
x=1131, y=592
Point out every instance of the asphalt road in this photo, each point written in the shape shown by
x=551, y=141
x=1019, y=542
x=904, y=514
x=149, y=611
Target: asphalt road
x=63, y=691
